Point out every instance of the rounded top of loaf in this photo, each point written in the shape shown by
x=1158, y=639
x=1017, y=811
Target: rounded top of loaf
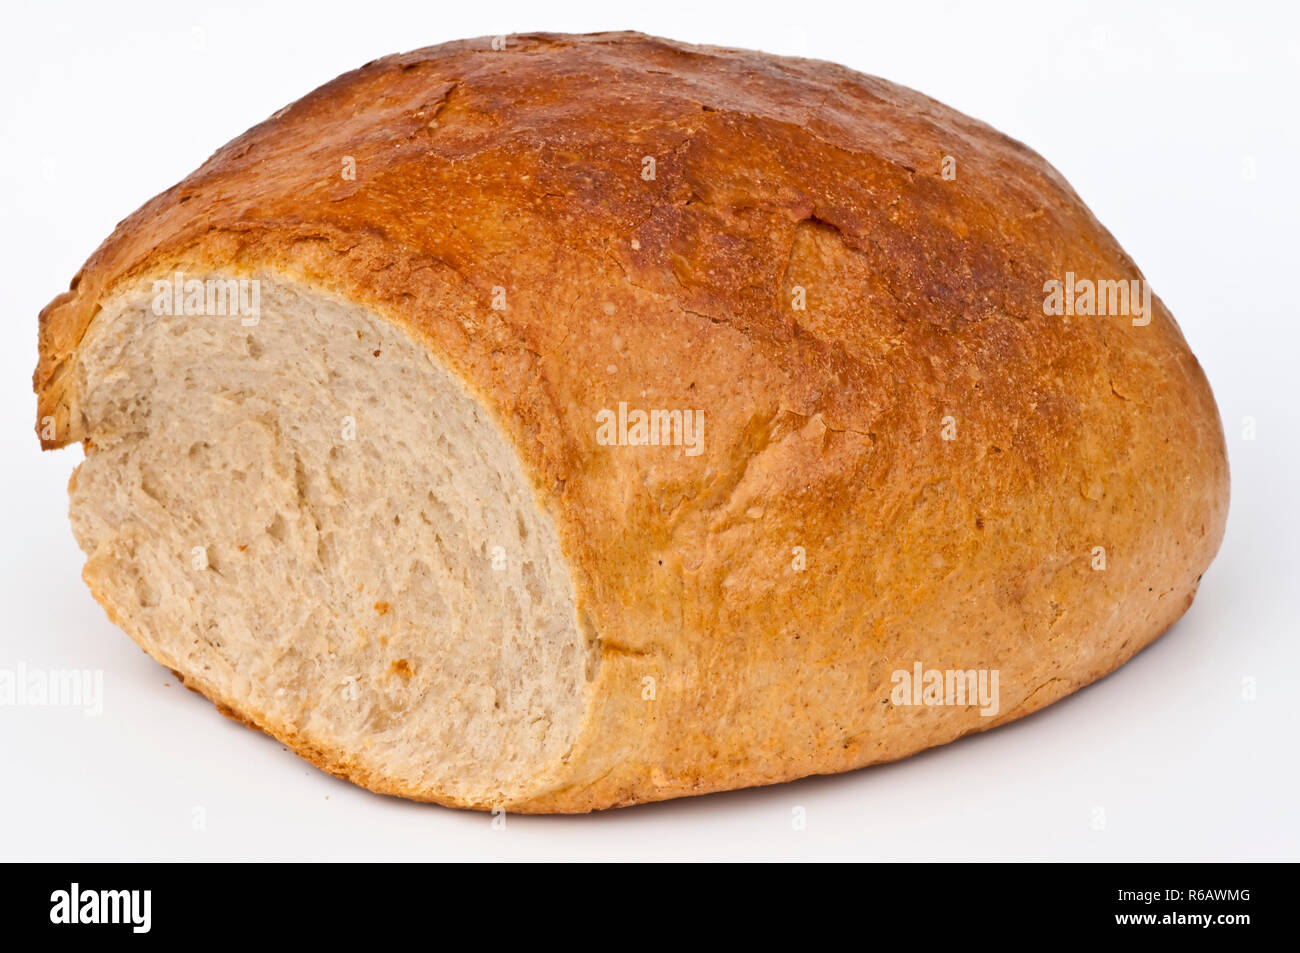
x=695, y=173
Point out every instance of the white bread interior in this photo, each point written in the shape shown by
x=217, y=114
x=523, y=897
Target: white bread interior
x=355, y=602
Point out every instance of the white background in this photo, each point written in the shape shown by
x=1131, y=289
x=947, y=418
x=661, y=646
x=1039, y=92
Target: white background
x=1175, y=122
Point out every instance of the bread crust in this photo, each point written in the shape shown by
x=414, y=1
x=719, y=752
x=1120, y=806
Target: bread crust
x=522, y=171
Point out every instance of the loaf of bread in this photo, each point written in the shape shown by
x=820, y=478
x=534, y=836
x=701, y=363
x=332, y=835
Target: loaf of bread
x=553, y=423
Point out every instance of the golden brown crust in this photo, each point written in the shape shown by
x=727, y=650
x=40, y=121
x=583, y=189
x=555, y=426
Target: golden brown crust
x=523, y=169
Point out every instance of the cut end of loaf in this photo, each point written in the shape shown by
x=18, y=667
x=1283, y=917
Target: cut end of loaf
x=325, y=532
